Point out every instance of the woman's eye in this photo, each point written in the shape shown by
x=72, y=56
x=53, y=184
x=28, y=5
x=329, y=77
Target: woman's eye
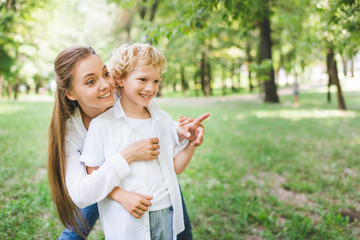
x=90, y=82
x=142, y=79
x=107, y=74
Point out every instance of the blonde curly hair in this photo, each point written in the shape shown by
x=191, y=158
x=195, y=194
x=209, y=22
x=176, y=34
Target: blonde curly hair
x=126, y=56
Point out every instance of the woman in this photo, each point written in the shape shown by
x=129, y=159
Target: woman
x=93, y=88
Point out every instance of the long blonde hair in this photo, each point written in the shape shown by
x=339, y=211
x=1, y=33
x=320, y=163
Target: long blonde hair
x=65, y=66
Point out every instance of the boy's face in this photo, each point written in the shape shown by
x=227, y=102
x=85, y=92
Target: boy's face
x=140, y=85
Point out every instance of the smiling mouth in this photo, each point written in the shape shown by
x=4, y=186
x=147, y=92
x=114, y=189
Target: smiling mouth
x=146, y=96
x=105, y=96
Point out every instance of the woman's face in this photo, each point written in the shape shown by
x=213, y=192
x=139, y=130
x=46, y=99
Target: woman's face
x=93, y=87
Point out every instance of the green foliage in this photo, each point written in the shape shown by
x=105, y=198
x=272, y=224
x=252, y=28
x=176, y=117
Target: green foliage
x=340, y=24
x=262, y=69
x=32, y=33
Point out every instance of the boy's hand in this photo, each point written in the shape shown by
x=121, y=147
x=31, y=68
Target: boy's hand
x=135, y=203
x=190, y=129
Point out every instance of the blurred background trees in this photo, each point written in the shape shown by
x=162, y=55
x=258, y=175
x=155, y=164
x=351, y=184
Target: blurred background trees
x=213, y=47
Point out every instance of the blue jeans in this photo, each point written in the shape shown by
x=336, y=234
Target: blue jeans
x=91, y=214
x=161, y=224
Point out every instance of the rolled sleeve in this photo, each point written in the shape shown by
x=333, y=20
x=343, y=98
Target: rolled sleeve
x=120, y=165
x=93, y=154
x=178, y=145
x=85, y=189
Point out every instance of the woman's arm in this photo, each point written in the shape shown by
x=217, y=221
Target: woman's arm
x=86, y=189
x=135, y=203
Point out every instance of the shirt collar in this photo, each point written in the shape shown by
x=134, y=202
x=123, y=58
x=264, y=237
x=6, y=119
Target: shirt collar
x=153, y=107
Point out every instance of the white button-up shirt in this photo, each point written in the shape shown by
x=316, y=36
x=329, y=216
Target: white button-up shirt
x=85, y=189
x=108, y=134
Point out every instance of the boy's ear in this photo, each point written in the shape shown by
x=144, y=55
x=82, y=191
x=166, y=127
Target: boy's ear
x=70, y=96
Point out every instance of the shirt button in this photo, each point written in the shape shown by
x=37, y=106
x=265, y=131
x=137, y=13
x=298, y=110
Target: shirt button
x=147, y=226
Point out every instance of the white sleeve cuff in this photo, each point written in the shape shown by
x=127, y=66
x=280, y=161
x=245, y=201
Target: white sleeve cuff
x=88, y=160
x=120, y=165
x=175, y=134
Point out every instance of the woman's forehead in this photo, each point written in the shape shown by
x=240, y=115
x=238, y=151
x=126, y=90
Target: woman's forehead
x=89, y=65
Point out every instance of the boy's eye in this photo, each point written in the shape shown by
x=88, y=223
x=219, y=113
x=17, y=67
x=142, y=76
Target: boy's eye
x=142, y=79
x=157, y=81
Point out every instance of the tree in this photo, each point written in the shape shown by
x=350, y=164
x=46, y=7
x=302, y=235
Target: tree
x=265, y=53
x=15, y=40
x=340, y=26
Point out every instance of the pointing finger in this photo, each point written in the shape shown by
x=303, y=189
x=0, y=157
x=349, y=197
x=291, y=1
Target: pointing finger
x=201, y=118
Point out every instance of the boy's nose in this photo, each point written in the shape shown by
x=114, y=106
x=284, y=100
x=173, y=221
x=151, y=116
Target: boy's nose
x=149, y=87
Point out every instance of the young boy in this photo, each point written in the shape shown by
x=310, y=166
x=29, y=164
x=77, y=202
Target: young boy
x=137, y=71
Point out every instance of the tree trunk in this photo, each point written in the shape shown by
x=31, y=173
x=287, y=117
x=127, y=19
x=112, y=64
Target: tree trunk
x=249, y=60
x=16, y=90
x=159, y=94
x=239, y=77
x=205, y=75
x=330, y=81
x=1, y=84
x=210, y=77
x=37, y=87
x=10, y=86
x=232, y=73
x=223, y=82
x=344, y=62
x=142, y=9
x=328, y=92
x=153, y=10
x=126, y=18
x=196, y=82
x=184, y=84
x=265, y=53
x=352, y=67
x=334, y=76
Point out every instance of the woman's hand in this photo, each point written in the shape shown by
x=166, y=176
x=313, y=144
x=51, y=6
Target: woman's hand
x=200, y=136
x=141, y=150
x=135, y=203
x=192, y=129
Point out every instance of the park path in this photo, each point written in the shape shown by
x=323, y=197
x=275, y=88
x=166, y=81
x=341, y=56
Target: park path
x=350, y=84
x=240, y=97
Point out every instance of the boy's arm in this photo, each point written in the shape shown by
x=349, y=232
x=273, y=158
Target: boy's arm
x=184, y=157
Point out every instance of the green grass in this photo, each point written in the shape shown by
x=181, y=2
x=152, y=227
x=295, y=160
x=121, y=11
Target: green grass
x=264, y=171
